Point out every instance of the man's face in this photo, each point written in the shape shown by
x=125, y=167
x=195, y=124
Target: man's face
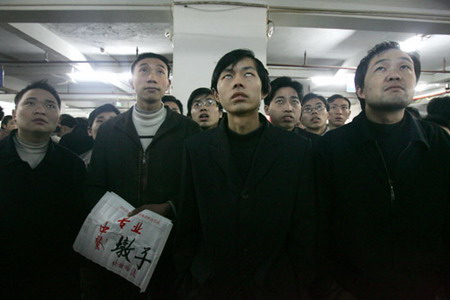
x=205, y=111
x=314, y=115
x=172, y=106
x=239, y=88
x=284, y=109
x=11, y=125
x=37, y=112
x=339, y=112
x=99, y=120
x=390, y=81
x=150, y=80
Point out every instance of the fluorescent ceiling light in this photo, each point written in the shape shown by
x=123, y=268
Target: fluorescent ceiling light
x=93, y=76
x=414, y=43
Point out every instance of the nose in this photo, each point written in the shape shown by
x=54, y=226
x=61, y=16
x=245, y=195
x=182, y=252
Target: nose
x=238, y=81
x=288, y=107
x=394, y=75
x=151, y=77
x=39, y=108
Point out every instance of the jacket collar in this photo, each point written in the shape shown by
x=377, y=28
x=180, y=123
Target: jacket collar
x=126, y=124
x=265, y=155
x=10, y=155
x=414, y=130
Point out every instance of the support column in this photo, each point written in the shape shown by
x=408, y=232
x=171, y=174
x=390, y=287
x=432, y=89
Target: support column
x=204, y=33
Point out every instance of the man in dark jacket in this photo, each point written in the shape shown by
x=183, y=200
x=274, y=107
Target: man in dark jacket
x=41, y=203
x=246, y=221
x=137, y=155
x=384, y=197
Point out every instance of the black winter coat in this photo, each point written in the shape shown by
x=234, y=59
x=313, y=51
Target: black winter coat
x=254, y=240
x=42, y=210
x=385, y=238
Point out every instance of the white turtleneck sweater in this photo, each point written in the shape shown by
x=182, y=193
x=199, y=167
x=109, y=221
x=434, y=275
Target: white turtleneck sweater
x=148, y=123
x=32, y=153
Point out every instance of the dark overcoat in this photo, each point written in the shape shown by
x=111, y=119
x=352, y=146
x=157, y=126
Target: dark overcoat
x=252, y=240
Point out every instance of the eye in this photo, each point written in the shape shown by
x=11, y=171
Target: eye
x=405, y=67
x=380, y=68
x=249, y=74
x=227, y=76
x=295, y=102
x=160, y=72
x=29, y=103
x=143, y=70
x=279, y=101
x=50, y=106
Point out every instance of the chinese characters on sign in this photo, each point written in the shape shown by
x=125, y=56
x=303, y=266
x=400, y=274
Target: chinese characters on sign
x=128, y=246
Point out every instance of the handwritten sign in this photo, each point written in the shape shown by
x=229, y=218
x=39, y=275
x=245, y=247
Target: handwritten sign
x=128, y=246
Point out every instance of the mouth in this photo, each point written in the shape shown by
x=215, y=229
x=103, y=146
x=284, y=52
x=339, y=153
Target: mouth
x=394, y=87
x=152, y=89
x=287, y=118
x=238, y=97
x=39, y=121
x=203, y=117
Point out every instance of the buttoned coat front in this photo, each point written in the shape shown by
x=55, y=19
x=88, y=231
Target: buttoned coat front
x=256, y=236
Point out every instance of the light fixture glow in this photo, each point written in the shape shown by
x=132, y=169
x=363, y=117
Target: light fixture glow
x=413, y=43
x=93, y=76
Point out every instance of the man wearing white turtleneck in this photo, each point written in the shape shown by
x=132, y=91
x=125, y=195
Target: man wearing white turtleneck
x=138, y=155
x=41, y=202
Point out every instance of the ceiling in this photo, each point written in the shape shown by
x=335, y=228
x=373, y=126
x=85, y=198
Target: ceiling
x=311, y=40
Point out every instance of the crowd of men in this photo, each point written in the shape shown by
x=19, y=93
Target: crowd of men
x=294, y=205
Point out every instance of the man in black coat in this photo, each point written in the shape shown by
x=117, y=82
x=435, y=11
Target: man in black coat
x=246, y=220
x=384, y=197
x=137, y=155
x=41, y=203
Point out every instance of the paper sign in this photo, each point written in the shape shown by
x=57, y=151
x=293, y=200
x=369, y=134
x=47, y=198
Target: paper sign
x=128, y=246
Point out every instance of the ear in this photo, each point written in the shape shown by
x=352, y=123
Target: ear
x=168, y=86
x=216, y=95
x=14, y=114
x=220, y=114
x=360, y=93
x=130, y=81
x=266, y=109
x=89, y=131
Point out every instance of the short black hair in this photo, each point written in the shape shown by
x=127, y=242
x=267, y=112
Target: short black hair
x=231, y=59
x=101, y=109
x=5, y=120
x=282, y=82
x=361, y=70
x=67, y=120
x=311, y=96
x=337, y=96
x=151, y=55
x=43, y=85
x=199, y=92
x=169, y=98
x=439, y=108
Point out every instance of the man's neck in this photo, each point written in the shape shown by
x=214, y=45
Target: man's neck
x=149, y=106
x=318, y=131
x=243, y=124
x=33, y=137
x=383, y=117
x=331, y=126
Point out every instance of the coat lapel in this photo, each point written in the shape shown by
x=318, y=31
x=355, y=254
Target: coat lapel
x=265, y=156
x=220, y=152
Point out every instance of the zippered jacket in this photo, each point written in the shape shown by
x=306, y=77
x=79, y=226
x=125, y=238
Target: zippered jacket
x=382, y=237
x=120, y=164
